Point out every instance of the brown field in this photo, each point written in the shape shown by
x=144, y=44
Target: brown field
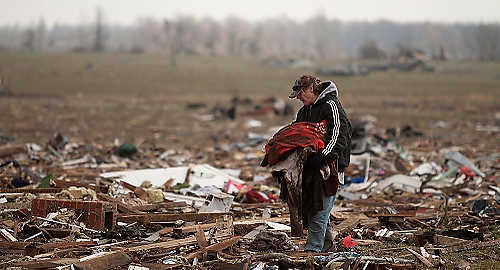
x=94, y=98
x=102, y=97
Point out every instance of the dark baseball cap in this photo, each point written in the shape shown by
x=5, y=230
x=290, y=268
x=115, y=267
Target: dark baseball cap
x=301, y=83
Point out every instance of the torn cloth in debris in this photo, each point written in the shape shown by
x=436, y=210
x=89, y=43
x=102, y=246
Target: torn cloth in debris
x=297, y=135
x=273, y=241
x=289, y=174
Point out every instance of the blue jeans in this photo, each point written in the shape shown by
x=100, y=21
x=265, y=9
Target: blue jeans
x=319, y=225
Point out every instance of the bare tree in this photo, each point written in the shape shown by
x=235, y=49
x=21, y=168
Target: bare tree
x=100, y=36
x=488, y=39
x=29, y=40
x=41, y=32
x=371, y=50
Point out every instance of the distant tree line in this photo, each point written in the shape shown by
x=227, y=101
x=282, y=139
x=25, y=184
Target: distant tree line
x=317, y=38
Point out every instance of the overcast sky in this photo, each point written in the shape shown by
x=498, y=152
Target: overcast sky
x=28, y=12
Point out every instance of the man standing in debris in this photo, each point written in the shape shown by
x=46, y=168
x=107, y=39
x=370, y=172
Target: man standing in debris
x=321, y=103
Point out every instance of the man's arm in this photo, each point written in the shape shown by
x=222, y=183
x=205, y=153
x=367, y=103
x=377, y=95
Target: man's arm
x=332, y=118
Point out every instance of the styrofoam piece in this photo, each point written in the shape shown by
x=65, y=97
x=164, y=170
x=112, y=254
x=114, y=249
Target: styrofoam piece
x=402, y=182
x=203, y=175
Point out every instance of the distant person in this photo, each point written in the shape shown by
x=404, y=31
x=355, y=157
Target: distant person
x=321, y=124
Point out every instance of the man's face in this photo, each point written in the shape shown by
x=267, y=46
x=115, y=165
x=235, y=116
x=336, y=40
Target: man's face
x=307, y=96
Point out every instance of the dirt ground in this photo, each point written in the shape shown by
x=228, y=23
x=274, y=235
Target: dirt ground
x=142, y=97
x=95, y=99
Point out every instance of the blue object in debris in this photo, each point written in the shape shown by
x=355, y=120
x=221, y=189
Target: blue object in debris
x=358, y=180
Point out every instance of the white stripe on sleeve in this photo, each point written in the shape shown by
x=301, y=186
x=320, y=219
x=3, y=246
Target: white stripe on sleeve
x=336, y=128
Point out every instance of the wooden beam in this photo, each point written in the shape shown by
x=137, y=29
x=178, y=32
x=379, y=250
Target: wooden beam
x=156, y=206
x=168, y=245
x=420, y=257
x=146, y=218
x=216, y=247
x=107, y=261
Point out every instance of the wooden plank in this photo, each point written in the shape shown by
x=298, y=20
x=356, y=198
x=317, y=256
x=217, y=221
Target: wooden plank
x=224, y=223
x=119, y=205
x=168, y=245
x=407, y=214
x=347, y=225
x=166, y=230
x=107, y=261
x=7, y=235
x=200, y=238
x=146, y=218
x=282, y=219
x=449, y=241
x=194, y=228
x=62, y=245
x=151, y=207
x=11, y=149
x=216, y=247
x=6, y=246
x=44, y=264
x=160, y=266
x=417, y=221
x=420, y=257
x=139, y=191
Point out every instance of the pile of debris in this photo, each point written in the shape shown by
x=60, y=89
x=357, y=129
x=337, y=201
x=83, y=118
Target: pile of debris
x=69, y=205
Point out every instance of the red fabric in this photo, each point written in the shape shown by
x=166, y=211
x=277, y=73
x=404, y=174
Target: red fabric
x=332, y=183
x=348, y=243
x=297, y=135
x=254, y=196
x=467, y=172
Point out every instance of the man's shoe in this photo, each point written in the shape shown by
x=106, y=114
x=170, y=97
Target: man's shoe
x=329, y=246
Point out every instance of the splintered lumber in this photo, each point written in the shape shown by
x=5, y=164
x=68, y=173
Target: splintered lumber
x=139, y=191
x=194, y=228
x=222, y=223
x=282, y=219
x=366, y=242
x=216, y=247
x=159, y=266
x=399, y=215
x=7, y=235
x=45, y=264
x=30, y=190
x=449, y=241
x=172, y=244
x=146, y=218
x=8, y=150
x=156, y=206
x=63, y=245
x=250, y=224
x=418, y=222
x=15, y=247
x=119, y=205
x=201, y=239
x=347, y=225
x=420, y=257
x=168, y=245
x=259, y=205
x=108, y=260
